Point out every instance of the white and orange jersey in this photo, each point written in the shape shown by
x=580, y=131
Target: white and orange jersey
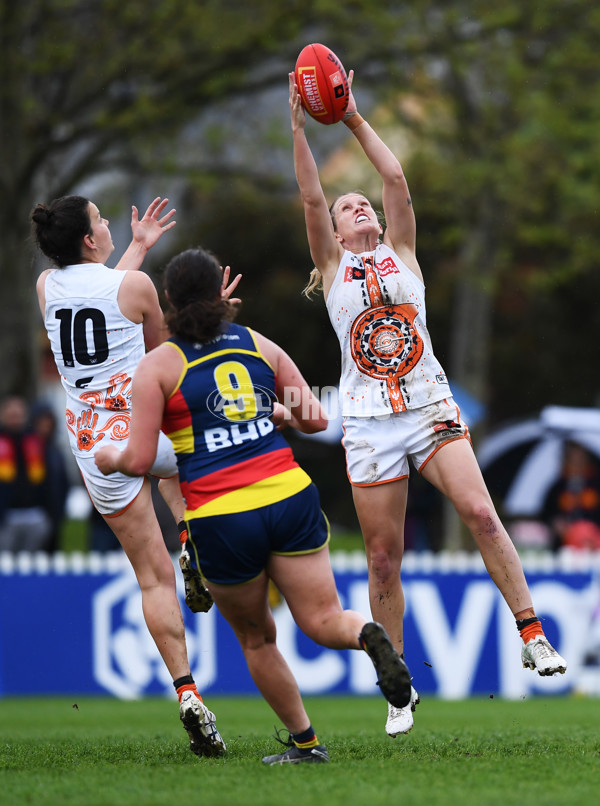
x=96, y=350
x=376, y=305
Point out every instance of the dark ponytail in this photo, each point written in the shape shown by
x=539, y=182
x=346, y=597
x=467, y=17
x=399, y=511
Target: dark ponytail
x=59, y=228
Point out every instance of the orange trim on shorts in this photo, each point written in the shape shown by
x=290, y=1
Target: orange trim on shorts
x=115, y=514
x=447, y=442
x=376, y=483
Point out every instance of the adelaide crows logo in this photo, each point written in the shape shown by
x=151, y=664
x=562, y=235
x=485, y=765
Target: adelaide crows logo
x=386, y=345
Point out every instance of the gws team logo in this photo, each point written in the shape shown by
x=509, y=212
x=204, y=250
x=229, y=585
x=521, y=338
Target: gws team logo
x=126, y=660
x=386, y=345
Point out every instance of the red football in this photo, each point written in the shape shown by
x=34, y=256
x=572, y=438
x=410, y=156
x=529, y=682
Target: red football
x=323, y=83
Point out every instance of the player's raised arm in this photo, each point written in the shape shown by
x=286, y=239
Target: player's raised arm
x=146, y=231
x=299, y=407
x=397, y=205
x=138, y=301
x=324, y=247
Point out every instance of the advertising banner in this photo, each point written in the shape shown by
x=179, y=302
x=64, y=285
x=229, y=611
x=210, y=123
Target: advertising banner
x=74, y=625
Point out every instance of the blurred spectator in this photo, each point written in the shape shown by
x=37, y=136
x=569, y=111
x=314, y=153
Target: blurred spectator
x=25, y=524
x=529, y=534
x=43, y=423
x=572, y=505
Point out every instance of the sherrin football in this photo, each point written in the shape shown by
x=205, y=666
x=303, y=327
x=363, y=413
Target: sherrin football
x=323, y=83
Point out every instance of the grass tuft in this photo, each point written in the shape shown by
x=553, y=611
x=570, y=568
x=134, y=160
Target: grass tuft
x=480, y=751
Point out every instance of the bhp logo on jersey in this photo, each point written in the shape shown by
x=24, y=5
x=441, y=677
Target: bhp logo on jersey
x=235, y=434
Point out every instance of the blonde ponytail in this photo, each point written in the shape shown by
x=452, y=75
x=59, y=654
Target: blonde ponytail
x=315, y=283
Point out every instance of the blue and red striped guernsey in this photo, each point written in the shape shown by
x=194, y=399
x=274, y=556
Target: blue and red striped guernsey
x=230, y=456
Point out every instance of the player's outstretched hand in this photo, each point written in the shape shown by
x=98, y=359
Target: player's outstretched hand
x=351, y=108
x=297, y=112
x=227, y=290
x=147, y=230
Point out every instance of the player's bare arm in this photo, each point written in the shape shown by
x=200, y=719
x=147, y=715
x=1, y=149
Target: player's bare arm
x=299, y=407
x=324, y=247
x=138, y=301
x=155, y=378
x=401, y=230
x=146, y=231
x=40, y=288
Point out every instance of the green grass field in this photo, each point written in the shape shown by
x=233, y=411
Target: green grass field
x=481, y=751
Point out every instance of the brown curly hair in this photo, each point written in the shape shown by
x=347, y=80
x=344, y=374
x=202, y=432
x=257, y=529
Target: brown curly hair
x=192, y=282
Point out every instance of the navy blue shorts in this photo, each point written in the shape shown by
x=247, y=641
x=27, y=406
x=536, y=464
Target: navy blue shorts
x=234, y=548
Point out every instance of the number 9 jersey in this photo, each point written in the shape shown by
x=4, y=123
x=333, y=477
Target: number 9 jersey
x=230, y=456
x=96, y=350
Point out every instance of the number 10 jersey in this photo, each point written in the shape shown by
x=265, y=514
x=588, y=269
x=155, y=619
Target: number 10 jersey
x=96, y=349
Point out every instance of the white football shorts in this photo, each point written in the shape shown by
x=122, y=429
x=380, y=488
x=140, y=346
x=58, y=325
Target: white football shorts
x=111, y=495
x=378, y=448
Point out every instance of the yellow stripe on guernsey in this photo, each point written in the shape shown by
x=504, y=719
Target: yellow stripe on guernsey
x=183, y=440
x=260, y=494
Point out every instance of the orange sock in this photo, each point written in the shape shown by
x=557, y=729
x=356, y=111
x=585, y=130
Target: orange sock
x=183, y=532
x=531, y=631
x=188, y=687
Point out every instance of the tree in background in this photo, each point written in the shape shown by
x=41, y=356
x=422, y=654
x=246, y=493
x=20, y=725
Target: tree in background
x=499, y=106
x=90, y=88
